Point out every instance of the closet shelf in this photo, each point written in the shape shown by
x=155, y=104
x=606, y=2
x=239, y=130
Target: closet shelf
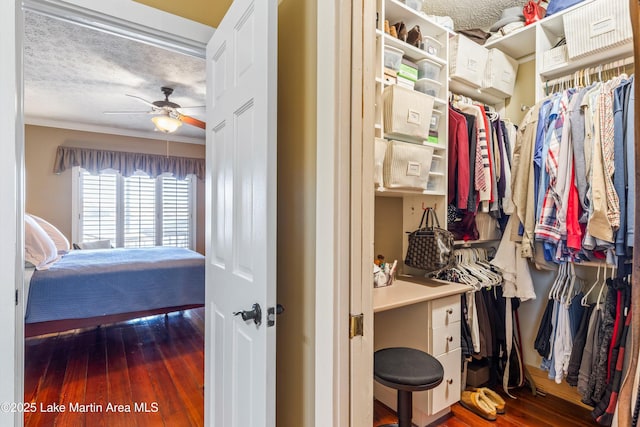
x=411, y=52
x=398, y=11
x=393, y=192
x=609, y=55
x=474, y=242
x=463, y=88
x=519, y=44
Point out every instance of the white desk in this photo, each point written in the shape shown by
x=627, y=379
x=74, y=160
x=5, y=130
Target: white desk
x=423, y=314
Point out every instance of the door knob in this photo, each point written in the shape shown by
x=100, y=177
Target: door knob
x=254, y=314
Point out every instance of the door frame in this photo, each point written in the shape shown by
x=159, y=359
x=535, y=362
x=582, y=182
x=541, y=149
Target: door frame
x=128, y=18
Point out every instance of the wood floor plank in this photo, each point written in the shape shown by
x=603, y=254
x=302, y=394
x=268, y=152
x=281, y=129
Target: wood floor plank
x=169, y=404
x=38, y=352
x=142, y=392
x=525, y=411
x=121, y=414
x=189, y=386
x=50, y=385
x=97, y=390
x=75, y=382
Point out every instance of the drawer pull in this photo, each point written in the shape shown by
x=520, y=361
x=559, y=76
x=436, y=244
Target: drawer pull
x=449, y=310
x=449, y=338
x=450, y=381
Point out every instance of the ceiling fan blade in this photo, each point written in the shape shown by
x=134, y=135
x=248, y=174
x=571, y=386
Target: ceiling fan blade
x=150, y=104
x=192, y=121
x=196, y=109
x=129, y=112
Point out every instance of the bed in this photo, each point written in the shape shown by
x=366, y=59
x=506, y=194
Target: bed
x=87, y=288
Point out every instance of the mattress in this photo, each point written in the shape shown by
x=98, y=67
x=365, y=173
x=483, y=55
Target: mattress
x=89, y=283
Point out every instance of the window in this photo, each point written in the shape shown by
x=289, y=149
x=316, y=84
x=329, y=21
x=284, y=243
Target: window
x=136, y=211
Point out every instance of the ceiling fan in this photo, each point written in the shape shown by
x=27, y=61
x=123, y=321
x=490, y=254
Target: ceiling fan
x=168, y=115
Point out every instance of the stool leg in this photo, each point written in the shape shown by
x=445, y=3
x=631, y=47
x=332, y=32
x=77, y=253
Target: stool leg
x=405, y=409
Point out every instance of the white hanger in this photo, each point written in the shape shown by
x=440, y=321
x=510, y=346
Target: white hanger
x=584, y=298
x=604, y=282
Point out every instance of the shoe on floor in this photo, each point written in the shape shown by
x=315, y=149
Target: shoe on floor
x=494, y=397
x=473, y=401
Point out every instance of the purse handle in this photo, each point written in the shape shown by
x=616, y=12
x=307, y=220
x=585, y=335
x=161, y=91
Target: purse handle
x=430, y=216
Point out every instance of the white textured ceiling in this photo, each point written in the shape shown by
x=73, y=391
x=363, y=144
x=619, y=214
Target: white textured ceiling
x=73, y=74
x=468, y=14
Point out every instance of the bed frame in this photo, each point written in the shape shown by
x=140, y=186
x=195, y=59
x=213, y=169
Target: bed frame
x=54, y=326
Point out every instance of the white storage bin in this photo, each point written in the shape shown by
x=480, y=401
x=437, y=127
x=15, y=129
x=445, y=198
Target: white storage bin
x=500, y=73
x=392, y=57
x=435, y=182
x=596, y=27
x=428, y=69
x=407, y=165
x=380, y=149
x=465, y=66
x=428, y=87
x=406, y=113
x=414, y=4
x=431, y=45
x=435, y=121
x=556, y=57
x=436, y=161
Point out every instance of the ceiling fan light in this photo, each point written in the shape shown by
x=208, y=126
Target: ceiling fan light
x=166, y=123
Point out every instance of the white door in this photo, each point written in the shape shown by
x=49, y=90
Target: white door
x=241, y=216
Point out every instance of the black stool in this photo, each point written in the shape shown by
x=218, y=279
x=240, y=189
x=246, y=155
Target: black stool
x=407, y=370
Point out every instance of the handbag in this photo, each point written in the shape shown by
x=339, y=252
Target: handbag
x=430, y=247
x=533, y=12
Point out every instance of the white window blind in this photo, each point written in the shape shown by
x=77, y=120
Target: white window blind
x=139, y=212
x=176, y=212
x=99, y=207
x=136, y=211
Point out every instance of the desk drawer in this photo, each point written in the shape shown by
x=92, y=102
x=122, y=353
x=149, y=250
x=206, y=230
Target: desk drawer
x=445, y=311
x=448, y=392
x=445, y=339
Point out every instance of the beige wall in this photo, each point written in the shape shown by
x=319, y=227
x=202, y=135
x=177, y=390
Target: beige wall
x=524, y=93
x=208, y=12
x=296, y=212
x=49, y=195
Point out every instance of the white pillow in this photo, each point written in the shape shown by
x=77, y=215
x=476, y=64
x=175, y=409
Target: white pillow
x=38, y=247
x=61, y=242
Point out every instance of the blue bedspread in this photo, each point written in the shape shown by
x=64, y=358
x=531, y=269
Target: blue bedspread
x=88, y=283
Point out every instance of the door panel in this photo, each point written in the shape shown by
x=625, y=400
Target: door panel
x=241, y=221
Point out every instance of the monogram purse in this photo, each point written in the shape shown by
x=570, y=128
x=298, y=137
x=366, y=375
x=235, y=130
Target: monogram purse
x=430, y=247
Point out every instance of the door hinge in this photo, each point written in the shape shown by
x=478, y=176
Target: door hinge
x=16, y=297
x=356, y=325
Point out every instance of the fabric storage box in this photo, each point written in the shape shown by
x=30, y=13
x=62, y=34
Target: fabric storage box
x=500, y=73
x=555, y=57
x=407, y=165
x=406, y=113
x=428, y=69
x=596, y=27
x=462, y=65
x=380, y=148
x=429, y=87
x=392, y=57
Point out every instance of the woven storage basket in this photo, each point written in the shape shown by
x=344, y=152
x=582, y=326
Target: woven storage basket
x=407, y=165
x=407, y=114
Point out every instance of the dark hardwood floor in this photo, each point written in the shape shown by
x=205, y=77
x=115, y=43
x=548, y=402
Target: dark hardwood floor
x=159, y=367
x=153, y=368
x=526, y=410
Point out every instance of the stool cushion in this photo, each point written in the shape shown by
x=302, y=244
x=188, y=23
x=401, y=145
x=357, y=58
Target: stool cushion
x=408, y=369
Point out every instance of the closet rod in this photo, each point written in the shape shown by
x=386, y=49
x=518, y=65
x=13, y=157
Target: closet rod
x=453, y=97
x=590, y=71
